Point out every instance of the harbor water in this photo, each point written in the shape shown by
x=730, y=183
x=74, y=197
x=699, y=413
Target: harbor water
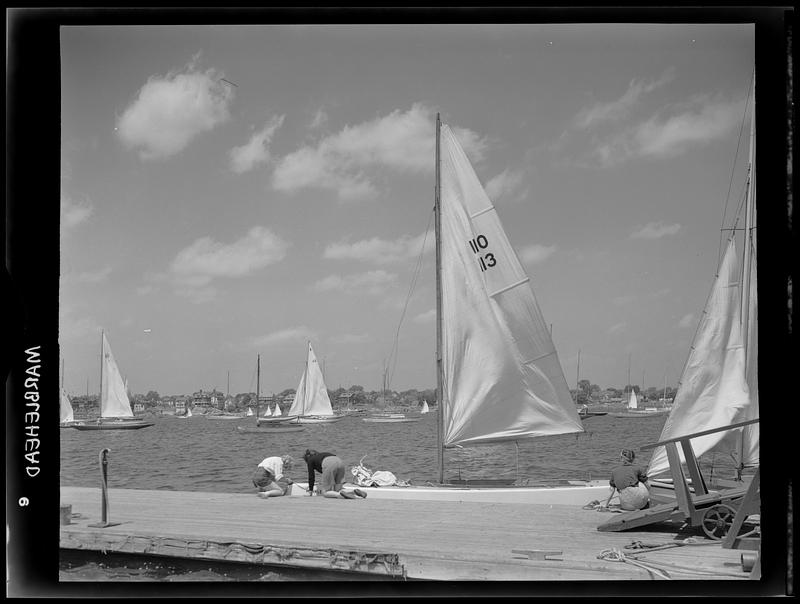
x=198, y=454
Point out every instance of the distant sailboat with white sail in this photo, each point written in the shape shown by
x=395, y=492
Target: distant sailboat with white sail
x=311, y=404
x=115, y=406
x=425, y=408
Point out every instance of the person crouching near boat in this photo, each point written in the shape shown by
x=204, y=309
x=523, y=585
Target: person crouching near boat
x=630, y=481
x=333, y=470
x=269, y=478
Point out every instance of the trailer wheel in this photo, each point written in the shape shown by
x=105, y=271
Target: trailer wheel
x=717, y=521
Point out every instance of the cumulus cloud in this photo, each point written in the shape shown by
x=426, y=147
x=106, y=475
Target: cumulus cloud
x=616, y=328
x=285, y=336
x=699, y=122
x=170, y=111
x=400, y=141
x=256, y=150
x=320, y=118
x=73, y=213
x=687, y=321
x=379, y=251
x=614, y=110
x=371, y=282
x=194, y=268
x=655, y=230
x=534, y=254
x=505, y=185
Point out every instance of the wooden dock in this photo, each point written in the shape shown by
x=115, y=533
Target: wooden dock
x=397, y=540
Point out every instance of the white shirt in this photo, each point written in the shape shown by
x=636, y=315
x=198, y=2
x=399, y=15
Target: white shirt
x=274, y=465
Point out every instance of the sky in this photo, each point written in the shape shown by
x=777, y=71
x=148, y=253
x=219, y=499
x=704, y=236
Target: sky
x=235, y=191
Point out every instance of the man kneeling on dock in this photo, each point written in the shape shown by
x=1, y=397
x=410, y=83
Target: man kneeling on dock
x=269, y=479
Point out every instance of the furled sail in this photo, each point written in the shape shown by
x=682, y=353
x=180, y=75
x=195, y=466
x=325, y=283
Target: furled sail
x=311, y=397
x=114, y=400
x=66, y=408
x=502, y=379
x=712, y=392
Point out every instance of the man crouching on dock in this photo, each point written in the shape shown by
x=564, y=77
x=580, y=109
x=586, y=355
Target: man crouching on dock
x=269, y=479
x=332, y=470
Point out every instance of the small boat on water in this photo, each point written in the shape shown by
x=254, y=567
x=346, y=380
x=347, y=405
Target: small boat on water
x=633, y=410
x=389, y=419
x=311, y=404
x=268, y=425
x=115, y=406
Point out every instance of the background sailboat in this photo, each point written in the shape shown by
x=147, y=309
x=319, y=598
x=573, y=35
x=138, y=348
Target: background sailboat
x=115, y=407
x=67, y=415
x=311, y=403
x=719, y=383
x=264, y=425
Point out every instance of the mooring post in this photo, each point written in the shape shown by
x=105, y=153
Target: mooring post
x=104, y=515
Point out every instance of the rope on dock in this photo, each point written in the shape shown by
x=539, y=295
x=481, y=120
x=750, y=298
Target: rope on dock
x=650, y=547
x=616, y=555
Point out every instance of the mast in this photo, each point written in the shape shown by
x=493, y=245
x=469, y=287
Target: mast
x=438, y=231
x=102, y=353
x=578, y=377
x=749, y=245
x=258, y=386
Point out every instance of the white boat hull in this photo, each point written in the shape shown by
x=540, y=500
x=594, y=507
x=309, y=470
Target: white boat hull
x=319, y=419
x=578, y=493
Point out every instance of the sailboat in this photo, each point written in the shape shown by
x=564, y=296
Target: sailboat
x=264, y=425
x=384, y=417
x=425, y=408
x=499, y=379
x=186, y=415
x=311, y=403
x=115, y=407
x=719, y=383
x=67, y=416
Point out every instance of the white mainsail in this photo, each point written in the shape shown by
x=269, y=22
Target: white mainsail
x=633, y=402
x=114, y=400
x=425, y=408
x=66, y=408
x=713, y=391
x=502, y=379
x=311, y=397
x=277, y=410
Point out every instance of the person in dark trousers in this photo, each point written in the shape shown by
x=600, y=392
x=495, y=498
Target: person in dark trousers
x=333, y=471
x=630, y=481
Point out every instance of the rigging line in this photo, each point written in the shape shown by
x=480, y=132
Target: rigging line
x=415, y=277
x=733, y=166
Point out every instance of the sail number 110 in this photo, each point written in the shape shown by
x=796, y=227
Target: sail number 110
x=485, y=260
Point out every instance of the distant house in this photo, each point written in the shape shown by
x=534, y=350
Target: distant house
x=138, y=407
x=345, y=399
x=207, y=400
x=180, y=405
x=288, y=400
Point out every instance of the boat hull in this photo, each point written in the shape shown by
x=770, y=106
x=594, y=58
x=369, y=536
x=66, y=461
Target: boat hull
x=276, y=420
x=390, y=420
x=228, y=417
x=276, y=429
x=319, y=419
x=578, y=493
x=639, y=414
x=124, y=425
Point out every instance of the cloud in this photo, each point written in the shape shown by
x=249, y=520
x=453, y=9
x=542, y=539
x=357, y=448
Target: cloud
x=534, y=254
x=73, y=213
x=425, y=317
x=285, y=336
x=614, y=110
x=400, y=141
x=379, y=251
x=351, y=338
x=670, y=135
x=72, y=327
x=172, y=110
x=192, y=270
x=91, y=276
x=256, y=150
x=617, y=328
x=505, y=184
x=655, y=230
x=320, y=118
x=371, y=282
x=687, y=321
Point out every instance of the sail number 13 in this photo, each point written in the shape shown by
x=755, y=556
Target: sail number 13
x=485, y=260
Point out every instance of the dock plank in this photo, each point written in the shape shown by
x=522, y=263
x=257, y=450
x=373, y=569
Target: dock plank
x=396, y=539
